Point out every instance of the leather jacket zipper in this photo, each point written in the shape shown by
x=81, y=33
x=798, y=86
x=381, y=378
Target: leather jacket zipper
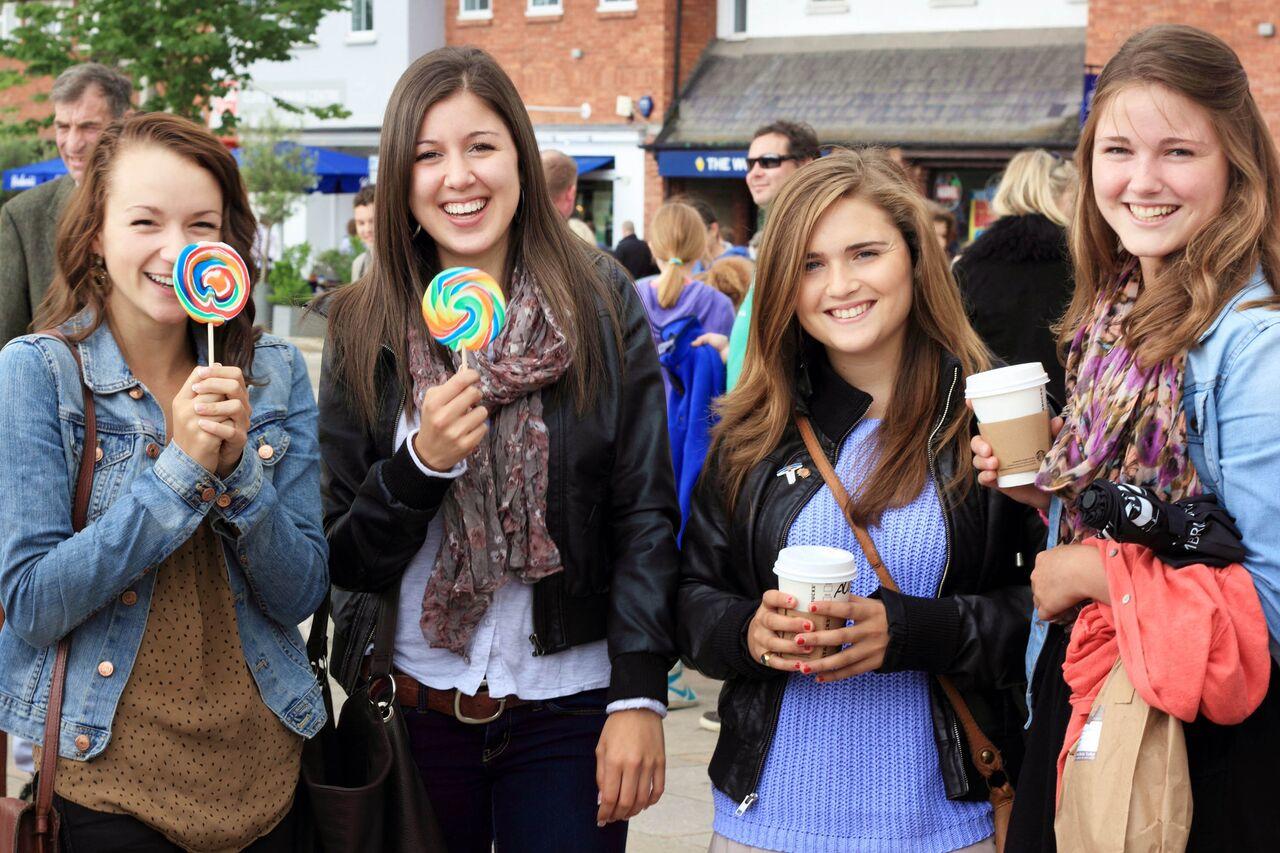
x=750, y=799
x=946, y=566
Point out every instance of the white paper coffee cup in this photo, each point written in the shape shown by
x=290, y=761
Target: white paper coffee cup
x=1012, y=407
x=815, y=573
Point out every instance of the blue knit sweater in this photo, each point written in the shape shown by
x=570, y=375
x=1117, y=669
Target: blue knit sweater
x=853, y=765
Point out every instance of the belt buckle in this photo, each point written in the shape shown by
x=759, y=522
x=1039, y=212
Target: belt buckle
x=476, y=721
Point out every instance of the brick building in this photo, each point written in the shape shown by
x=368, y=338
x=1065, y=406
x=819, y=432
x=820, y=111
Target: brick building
x=583, y=68
x=1251, y=27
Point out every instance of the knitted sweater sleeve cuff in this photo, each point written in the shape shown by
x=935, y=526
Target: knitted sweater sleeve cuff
x=922, y=632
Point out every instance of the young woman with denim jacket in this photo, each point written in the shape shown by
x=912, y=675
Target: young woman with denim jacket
x=188, y=693
x=515, y=517
x=1172, y=337
x=861, y=329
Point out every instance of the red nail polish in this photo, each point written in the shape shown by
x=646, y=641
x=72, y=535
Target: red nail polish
x=799, y=641
x=806, y=669
x=791, y=600
x=813, y=608
x=808, y=626
x=797, y=664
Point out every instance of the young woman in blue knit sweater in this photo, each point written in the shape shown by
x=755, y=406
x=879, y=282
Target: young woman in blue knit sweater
x=859, y=327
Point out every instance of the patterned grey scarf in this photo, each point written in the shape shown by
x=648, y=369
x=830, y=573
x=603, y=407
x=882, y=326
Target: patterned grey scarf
x=495, y=527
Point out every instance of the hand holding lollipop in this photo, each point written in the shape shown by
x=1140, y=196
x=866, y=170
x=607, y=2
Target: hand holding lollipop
x=464, y=309
x=212, y=283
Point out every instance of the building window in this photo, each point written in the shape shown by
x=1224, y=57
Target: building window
x=739, y=16
x=475, y=9
x=544, y=7
x=361, y=16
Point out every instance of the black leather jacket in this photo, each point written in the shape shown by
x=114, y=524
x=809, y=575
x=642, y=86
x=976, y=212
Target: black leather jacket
x=611, y=509
x=975, y=630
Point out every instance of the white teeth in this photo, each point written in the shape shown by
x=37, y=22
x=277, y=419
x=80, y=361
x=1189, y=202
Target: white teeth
x=162, y=280
x=455, y=209
x=850, y=313
x=1143, y=211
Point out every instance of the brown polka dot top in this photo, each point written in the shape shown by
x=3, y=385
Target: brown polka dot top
x=194, y=751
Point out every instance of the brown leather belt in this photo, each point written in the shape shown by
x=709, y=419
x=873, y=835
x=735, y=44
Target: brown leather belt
x=474, y=710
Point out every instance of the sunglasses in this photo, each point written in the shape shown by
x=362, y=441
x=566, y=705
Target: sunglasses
x=768, y=161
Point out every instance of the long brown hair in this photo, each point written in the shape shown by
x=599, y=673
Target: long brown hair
x=756, y=414
x=1196, y=283
x=79, y=283
x=678, y=237
x=379, y=309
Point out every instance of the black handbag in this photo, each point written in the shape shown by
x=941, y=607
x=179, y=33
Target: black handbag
x=360, y=784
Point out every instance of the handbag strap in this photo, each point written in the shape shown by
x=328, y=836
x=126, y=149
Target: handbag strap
x=986, y=757
x=79, y=518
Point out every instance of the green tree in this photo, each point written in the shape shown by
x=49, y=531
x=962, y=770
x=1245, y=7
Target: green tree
x=278, y=173
x=179, y=54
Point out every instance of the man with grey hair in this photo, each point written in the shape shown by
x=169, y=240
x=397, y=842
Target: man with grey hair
x=86, y=98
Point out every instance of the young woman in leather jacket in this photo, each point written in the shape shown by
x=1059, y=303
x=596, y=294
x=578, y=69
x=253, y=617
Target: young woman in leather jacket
x=859, y=327
x=515, y=518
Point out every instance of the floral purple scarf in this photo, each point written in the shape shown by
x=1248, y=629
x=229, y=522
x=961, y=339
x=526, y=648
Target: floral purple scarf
x=1123, y=423
x=495, y=527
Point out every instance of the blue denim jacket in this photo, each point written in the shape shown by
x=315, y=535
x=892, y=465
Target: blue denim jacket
x=1232, y=402
x=146, y=502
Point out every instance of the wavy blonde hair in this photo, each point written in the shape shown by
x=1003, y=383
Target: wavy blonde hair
x=677, y=237
x=1033, y=182
x=760, y=409
x=1196, y=283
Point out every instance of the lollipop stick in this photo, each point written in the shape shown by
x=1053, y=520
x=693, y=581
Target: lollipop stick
x=209, y=326
x=464, y=359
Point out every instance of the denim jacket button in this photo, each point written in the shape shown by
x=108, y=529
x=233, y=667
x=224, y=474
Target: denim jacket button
x=135, y=392
x=224, y=501
x=82, y=743
x=208, y=494
x=97, y=454
x=266, y=451
x=153, y=450
x=106, y=669
x=129, y=598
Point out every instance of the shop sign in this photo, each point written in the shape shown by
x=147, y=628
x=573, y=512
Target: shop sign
x=702, y=164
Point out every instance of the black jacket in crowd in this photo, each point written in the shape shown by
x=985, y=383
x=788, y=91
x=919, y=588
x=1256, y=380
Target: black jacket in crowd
x=633, y=253
x=611, y=510
x=975, y=630
x=1016, y=280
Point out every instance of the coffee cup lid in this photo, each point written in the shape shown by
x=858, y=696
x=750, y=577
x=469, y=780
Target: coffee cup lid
x=1002, y=380
x=815, y=563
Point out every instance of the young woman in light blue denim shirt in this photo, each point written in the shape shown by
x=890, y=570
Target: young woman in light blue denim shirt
x=1172, y=338
x=203, y=548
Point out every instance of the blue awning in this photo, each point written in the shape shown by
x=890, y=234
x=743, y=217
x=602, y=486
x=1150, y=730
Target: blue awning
x=592, y=164
x=33, y=174
x=337, y=172
x=705, y=163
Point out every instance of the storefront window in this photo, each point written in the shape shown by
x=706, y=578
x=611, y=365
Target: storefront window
x=594, y=206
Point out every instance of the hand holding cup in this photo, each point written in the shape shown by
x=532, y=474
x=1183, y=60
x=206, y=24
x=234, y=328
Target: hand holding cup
x=452, y=422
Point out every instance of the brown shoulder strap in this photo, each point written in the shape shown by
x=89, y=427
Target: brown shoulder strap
x=79, y=518
x=985, y=755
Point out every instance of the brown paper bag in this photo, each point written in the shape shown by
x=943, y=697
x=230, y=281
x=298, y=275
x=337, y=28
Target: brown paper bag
x=1125, y=787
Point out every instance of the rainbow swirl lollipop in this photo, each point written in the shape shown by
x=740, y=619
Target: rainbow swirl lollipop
x=464, y=308
x=212, y=282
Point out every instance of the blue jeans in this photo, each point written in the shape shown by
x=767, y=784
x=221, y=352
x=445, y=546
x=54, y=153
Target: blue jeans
x=525, y=782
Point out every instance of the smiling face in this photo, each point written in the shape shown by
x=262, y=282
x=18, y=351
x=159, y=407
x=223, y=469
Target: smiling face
x=1160, y=173
x=76, y=126
x=156, y=203
x=466, y=184
x=855, y=292
x=363, y=215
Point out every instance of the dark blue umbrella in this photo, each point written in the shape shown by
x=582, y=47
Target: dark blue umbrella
x=33, y=174
x=335, y=172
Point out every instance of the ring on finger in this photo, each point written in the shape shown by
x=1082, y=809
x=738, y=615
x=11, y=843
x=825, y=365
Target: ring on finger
x=764, y=657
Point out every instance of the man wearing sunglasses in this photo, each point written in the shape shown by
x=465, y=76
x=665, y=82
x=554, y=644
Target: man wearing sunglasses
x=777, y=151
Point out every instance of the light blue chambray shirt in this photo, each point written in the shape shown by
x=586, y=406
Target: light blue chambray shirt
x=147, y=502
